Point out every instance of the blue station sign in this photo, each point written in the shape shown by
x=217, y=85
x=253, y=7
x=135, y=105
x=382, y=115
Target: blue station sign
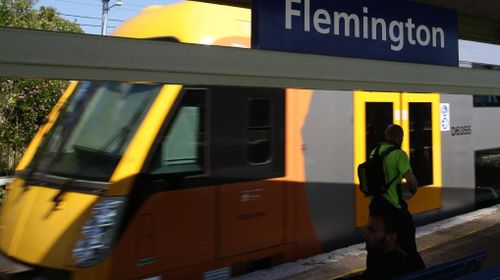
x=375, y=29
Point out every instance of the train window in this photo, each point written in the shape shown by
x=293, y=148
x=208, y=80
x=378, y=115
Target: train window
x=378, y=116
x=259, y=131
x=421, y=142
x=486, y=101
x=181, y=149
x=247, y=133
x=94, y=130
x=487, y=167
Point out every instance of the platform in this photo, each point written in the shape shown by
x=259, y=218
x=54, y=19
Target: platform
x=437, y=242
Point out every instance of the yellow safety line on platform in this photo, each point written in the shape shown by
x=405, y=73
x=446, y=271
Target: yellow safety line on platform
x=347, y=273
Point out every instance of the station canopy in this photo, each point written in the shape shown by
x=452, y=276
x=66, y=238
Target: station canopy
x=52, y=55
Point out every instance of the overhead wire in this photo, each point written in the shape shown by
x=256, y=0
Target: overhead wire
x=94, y=25
x=125, y=3
x=89, y=17
x=94, y=5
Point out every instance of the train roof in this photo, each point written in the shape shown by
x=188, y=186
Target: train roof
x=191, y=22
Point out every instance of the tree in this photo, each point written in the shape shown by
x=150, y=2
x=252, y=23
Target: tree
x=22, y=14
x=24, y=104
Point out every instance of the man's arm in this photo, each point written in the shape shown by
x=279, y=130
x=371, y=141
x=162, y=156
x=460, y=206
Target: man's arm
x=411, y=181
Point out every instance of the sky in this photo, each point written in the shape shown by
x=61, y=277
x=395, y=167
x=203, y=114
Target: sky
x=88, y=13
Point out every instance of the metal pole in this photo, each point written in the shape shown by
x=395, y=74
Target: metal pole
x=105, y=9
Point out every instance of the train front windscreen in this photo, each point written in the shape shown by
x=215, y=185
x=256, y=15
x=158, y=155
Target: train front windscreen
x=93, y=130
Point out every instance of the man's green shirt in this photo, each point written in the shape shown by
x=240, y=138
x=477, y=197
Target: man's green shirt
x=396, y=163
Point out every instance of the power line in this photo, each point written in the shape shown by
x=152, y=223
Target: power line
x=94, y=25
x=139, y=6
x=76, y=2
x=89, y=17
x=132, y=5
x=93, y=5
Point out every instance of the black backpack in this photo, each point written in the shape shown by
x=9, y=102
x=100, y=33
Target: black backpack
x=371, y=173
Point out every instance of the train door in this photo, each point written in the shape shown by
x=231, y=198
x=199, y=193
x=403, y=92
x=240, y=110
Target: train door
x=247, y=155
x=422, y=142
x=418, y=115
x=209, y=186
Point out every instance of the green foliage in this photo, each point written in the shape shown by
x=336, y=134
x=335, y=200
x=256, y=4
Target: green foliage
x=22, y=14
x=24, y=104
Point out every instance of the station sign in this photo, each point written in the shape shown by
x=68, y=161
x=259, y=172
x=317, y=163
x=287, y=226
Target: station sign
x=403, y=31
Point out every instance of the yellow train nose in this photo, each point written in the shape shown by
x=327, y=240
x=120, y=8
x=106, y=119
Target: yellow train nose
x=35, y=229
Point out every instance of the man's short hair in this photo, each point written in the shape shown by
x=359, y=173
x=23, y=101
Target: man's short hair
x=394, y=131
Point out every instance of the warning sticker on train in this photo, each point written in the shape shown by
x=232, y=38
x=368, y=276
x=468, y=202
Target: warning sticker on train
x=444, y=111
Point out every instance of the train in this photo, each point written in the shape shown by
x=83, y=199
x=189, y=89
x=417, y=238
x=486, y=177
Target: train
x=168, y=181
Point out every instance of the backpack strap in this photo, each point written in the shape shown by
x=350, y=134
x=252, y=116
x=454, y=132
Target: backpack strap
x=392, y=181
x=384, y=154
x=375, y=152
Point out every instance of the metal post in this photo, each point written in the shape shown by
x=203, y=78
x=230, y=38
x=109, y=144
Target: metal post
x=105, y=9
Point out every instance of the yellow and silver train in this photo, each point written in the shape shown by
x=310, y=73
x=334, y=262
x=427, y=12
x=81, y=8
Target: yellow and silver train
x=153, y=181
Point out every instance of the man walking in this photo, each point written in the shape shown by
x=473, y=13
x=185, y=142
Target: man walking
x=396, y=167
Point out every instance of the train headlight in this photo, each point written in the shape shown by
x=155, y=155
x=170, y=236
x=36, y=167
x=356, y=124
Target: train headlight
x=98, y=232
